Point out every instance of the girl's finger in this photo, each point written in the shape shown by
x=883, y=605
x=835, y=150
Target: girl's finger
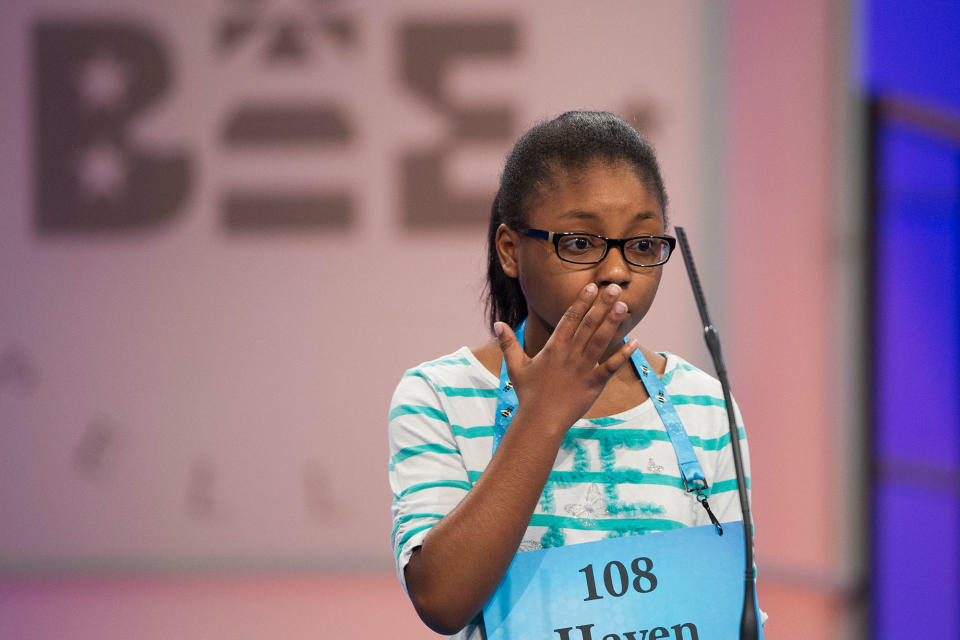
x=600, y=340
x=572, y=317
x=512, y=351
x=595, y=316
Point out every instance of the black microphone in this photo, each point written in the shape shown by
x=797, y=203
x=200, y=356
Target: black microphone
x=748, y=618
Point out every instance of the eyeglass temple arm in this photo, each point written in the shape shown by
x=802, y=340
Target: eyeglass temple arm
x=539, y=233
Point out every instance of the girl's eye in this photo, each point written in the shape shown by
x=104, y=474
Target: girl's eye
x=641, y=245
x=577, y=244
x=647, y=251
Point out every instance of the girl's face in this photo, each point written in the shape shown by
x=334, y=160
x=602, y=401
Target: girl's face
x=606, y=199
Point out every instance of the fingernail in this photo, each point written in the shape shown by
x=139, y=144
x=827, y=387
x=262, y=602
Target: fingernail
x=620, y=307
x=634, y=344
x=497, y=328
x=591, y=288
x=613, y=290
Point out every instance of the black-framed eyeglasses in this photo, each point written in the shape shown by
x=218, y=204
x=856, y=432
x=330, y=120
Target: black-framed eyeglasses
x=589, y=248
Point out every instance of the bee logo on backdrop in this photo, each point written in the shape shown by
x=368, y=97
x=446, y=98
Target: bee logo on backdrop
x=92, y=81
x=279, y=115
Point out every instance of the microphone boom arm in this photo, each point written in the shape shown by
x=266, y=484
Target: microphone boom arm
x=749, y=628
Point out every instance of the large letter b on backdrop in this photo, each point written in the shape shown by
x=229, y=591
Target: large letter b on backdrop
x=92, y=80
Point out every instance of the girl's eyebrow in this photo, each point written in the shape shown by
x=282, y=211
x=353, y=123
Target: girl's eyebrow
x=577, y=214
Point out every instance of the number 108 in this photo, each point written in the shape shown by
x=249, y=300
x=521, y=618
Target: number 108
x=617, y=580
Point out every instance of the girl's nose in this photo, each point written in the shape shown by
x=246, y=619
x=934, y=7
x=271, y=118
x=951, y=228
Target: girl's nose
x=613, y=269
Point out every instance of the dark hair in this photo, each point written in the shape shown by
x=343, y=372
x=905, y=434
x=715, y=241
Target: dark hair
x=570, y=141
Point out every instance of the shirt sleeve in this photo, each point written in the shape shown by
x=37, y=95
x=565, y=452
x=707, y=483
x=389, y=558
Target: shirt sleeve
x=427, y=474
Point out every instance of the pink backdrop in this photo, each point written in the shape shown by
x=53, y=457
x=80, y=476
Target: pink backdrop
x=194, y=403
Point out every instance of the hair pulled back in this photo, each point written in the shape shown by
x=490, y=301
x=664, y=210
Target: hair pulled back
x=570, y=141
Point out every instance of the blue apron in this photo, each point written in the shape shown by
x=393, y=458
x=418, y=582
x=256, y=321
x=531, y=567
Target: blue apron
x=686, y=583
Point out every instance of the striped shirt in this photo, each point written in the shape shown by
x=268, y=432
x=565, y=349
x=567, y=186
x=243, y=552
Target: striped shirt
x=613, y=476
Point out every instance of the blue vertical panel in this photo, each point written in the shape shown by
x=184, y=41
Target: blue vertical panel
x=915, y=593
x=913, y=64
x=913, y=50
x=917, y=253
x=916, y=517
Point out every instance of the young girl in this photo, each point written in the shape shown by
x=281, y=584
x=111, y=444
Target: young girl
x=577, y=245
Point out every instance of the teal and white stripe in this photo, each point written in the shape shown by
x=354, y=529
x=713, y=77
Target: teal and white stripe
x=614, y=476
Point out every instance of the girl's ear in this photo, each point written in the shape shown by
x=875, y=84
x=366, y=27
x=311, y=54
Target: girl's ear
x=507, y=241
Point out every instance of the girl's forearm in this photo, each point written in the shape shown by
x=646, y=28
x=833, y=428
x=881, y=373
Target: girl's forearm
x=461, y=562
